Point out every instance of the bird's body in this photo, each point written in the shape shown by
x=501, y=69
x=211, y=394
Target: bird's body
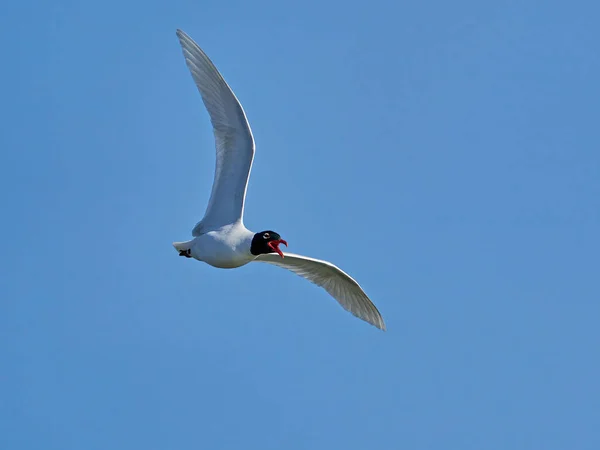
x=220, y=238
x=226, y=248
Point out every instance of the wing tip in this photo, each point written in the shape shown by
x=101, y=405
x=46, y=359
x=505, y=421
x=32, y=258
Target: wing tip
x=379, y=324
x=184, y=38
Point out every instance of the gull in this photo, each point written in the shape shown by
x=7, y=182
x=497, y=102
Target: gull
x=220, y=239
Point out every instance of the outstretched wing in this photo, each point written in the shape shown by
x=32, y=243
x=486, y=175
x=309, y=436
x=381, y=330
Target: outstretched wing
x=233, y=138
x=335, y=281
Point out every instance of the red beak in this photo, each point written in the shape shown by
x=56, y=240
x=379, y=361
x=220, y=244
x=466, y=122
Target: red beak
x=275, y=245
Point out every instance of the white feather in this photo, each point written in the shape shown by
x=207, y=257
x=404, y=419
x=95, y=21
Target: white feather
x=233, y=139
x=335, y=281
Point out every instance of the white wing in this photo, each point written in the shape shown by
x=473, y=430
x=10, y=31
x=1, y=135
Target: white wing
x=234, y=141
x=335, y=281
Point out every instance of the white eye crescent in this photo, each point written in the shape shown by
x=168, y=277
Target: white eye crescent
x=266, y=236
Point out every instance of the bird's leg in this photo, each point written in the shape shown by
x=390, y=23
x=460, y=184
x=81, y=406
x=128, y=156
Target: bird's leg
x=187, y=253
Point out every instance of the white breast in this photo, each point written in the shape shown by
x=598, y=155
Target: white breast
x=226, y=248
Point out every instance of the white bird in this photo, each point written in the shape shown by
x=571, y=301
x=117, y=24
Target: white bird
x=220, y=238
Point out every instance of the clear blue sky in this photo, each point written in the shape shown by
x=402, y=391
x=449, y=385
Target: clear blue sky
x=446, y=154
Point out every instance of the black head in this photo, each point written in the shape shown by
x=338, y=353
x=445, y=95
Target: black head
x=266, y=242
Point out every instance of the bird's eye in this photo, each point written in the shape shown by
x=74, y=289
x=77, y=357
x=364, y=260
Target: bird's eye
x=266, y=235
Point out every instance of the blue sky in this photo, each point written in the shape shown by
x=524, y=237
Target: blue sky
x=445, y=154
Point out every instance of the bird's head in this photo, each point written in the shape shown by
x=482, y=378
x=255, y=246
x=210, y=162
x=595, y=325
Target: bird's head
x=267, y=242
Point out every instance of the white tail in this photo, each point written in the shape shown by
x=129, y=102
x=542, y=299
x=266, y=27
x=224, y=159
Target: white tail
x=182, y=246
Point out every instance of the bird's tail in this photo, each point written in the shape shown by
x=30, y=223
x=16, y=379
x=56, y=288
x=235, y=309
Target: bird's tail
x=182, y=246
